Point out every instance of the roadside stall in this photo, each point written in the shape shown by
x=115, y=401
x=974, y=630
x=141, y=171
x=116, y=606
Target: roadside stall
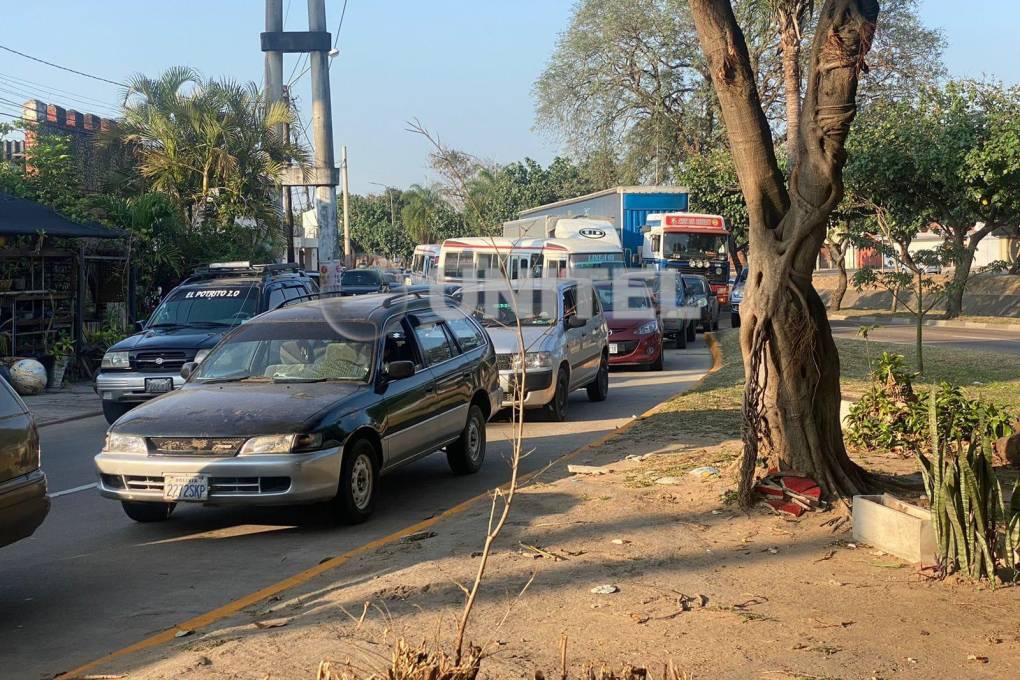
x=64, y=286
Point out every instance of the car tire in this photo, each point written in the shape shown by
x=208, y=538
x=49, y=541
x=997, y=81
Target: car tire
x=112, y=410
x=557, y=408
x=598, y=389
x=657, y=364
x=466, y=455
x=715, y=324
x=680, y=339
x=692, y=332
x=359, y=482
x=144, y=512
x=734, y=319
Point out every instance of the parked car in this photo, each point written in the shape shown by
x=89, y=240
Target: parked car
x=699, y=290
x=188, y=324
x=565, y=337
x=364, y=281
x=736, y=297
x=309, y=403
x=23, y=500
x=676, y=310
x=635, y=331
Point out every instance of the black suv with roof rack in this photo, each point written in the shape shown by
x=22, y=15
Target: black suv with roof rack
x=188, y=323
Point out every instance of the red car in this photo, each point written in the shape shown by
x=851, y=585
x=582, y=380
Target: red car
x=635, y=331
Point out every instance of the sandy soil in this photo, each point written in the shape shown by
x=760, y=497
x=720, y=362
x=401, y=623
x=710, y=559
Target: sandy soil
x=720, y=593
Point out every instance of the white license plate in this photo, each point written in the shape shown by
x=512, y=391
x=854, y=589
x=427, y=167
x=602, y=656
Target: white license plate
x=613, y=348
x=158, y=385
x=186, y=487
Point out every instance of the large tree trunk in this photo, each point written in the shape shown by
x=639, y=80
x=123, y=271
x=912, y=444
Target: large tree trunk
x=791, y=393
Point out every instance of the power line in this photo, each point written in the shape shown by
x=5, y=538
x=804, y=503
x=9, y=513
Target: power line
x=32, y=95
x=336, y=38
x=62, y=68
x=26, y=86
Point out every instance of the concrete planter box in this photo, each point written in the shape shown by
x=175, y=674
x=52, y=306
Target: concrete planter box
x=898, y=528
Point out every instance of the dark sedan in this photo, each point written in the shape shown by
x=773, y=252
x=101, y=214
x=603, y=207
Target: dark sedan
x=700, y=291
x=23, y=499
x=309, y=403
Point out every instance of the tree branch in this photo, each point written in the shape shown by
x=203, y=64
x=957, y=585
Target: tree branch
x=750, y=137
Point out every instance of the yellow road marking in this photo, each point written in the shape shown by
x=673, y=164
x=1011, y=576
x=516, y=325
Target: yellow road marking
x=211, y=617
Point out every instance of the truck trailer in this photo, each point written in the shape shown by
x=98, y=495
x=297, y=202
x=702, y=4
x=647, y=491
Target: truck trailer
x=625, y=207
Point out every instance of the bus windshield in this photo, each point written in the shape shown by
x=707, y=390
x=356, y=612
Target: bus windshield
x=693, y=245
x=602, y=263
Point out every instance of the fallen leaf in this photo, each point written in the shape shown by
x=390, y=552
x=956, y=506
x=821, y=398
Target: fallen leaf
x=827, y=556
x=979, y=659
x=640, y=618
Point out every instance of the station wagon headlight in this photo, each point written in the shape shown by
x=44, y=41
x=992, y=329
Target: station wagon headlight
x=281, y=443
x=201, y=354
x=273, y=443
x=648, y=327
x=737, y=295
x=532, y=360
x=125, y=443
x=116, y=360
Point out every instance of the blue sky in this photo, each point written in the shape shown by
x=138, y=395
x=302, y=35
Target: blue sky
x=464, y=68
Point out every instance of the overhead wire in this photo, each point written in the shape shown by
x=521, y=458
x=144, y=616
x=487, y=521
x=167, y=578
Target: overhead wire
x=32, y=89
x=307, y=67
x=62, y=68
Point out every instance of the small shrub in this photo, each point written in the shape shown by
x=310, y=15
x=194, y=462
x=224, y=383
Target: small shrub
x=890, y=416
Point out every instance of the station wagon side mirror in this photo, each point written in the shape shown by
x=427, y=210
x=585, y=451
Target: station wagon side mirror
x=140, y=324
x=188, y=368
x=574, y=321
x=398, y=370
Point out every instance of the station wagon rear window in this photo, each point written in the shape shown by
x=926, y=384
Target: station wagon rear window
x=212, y=306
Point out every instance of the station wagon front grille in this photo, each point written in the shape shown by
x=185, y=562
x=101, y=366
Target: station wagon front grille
x=503, y=362
x=218, y=486
x=195, y=446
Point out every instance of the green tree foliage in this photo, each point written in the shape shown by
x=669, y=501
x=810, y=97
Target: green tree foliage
x=948, y=160
x=213, y=145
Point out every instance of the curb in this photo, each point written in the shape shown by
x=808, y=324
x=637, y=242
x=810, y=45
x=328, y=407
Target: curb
x=69, y=419
x=901, y=321
x=208, y=618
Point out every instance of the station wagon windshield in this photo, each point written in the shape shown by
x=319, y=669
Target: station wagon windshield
x=219, y=306
x=292, y=352
x=495, y=308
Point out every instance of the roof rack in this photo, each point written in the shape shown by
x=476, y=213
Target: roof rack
x=416, y=291
x=307, y=297
x=221, y=269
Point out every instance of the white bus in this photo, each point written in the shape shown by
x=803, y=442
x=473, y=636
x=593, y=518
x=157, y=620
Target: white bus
x=423, y=264
x=481, y=257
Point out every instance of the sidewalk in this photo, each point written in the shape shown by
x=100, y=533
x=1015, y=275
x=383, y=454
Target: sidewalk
x=76, y=400
x=897, y=320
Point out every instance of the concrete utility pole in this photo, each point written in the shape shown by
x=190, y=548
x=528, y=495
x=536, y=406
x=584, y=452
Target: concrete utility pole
x=288, y=209
x=347, y=214
x=274, y=58
x=323, y=175
x=322, y=133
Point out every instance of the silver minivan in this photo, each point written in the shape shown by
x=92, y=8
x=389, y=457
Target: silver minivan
x=566, y=339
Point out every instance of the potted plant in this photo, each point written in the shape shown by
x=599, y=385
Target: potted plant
x=61, y=350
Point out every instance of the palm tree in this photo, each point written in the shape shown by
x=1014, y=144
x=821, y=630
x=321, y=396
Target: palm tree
x=422, y=213
x=212, y=145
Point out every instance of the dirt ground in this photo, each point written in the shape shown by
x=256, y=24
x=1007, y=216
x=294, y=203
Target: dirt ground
x=719, y=593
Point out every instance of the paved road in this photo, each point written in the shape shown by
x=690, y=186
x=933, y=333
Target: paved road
x=91, y=581
x=963, y=338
